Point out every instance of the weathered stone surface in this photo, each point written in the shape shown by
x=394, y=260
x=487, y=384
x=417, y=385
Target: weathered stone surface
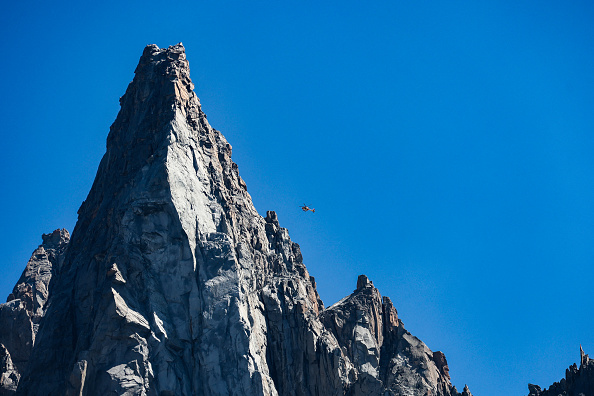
x=578, y=381
x=9, y=375
x=26, y=305
x=33, y=286
x=173, y=284
x=386, y=357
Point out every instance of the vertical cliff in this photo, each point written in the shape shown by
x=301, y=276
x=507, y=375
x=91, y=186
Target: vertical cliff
x=173, y=284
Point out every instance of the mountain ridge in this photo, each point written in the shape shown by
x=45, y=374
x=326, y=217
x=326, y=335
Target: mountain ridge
x=579, y=380
x=172, y=283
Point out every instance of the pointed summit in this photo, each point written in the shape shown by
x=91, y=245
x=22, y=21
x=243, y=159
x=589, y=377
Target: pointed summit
x=579, y=380
x=161, y=85
x=173, y=284
x=169, y=256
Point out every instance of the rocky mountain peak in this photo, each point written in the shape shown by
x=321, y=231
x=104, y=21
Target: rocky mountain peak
x=160, y=86
x=25, y=307
x=578, y=380
x=363, y=281
x=466, y=391
x=57, y=239
x=32, y=288
x=173, y=284
x=584, y=358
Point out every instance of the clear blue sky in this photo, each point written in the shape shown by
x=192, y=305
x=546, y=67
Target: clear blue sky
x=446, y=146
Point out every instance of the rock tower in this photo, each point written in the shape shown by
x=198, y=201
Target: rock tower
x=173, y=284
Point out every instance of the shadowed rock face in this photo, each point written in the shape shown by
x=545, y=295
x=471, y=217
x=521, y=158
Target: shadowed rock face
x=173, y=284
x=25, y=307
x=577, y=381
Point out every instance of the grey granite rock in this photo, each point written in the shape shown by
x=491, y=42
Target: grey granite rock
x=173, y=284
x=578, y=381
x=387, y=358
x=9, y=375
x=25, y=307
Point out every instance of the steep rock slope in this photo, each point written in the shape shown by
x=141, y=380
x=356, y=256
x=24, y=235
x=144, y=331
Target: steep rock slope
x=577, y=381
x=173, y=284
x=385, y=354
x=25, y=307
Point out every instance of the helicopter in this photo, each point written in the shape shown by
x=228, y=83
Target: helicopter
x=306, y=208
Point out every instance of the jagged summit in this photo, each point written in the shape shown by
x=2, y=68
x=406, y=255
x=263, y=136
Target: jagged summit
x=25, y=307
x=173, y=284
x=578, y=381
x=161, y=85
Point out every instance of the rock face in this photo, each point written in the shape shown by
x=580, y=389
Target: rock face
x=25, y=307
x=386, y=356
x=577, y=381
x=173, y=284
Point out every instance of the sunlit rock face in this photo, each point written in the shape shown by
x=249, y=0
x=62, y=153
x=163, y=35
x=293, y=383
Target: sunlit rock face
x=173, y=284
